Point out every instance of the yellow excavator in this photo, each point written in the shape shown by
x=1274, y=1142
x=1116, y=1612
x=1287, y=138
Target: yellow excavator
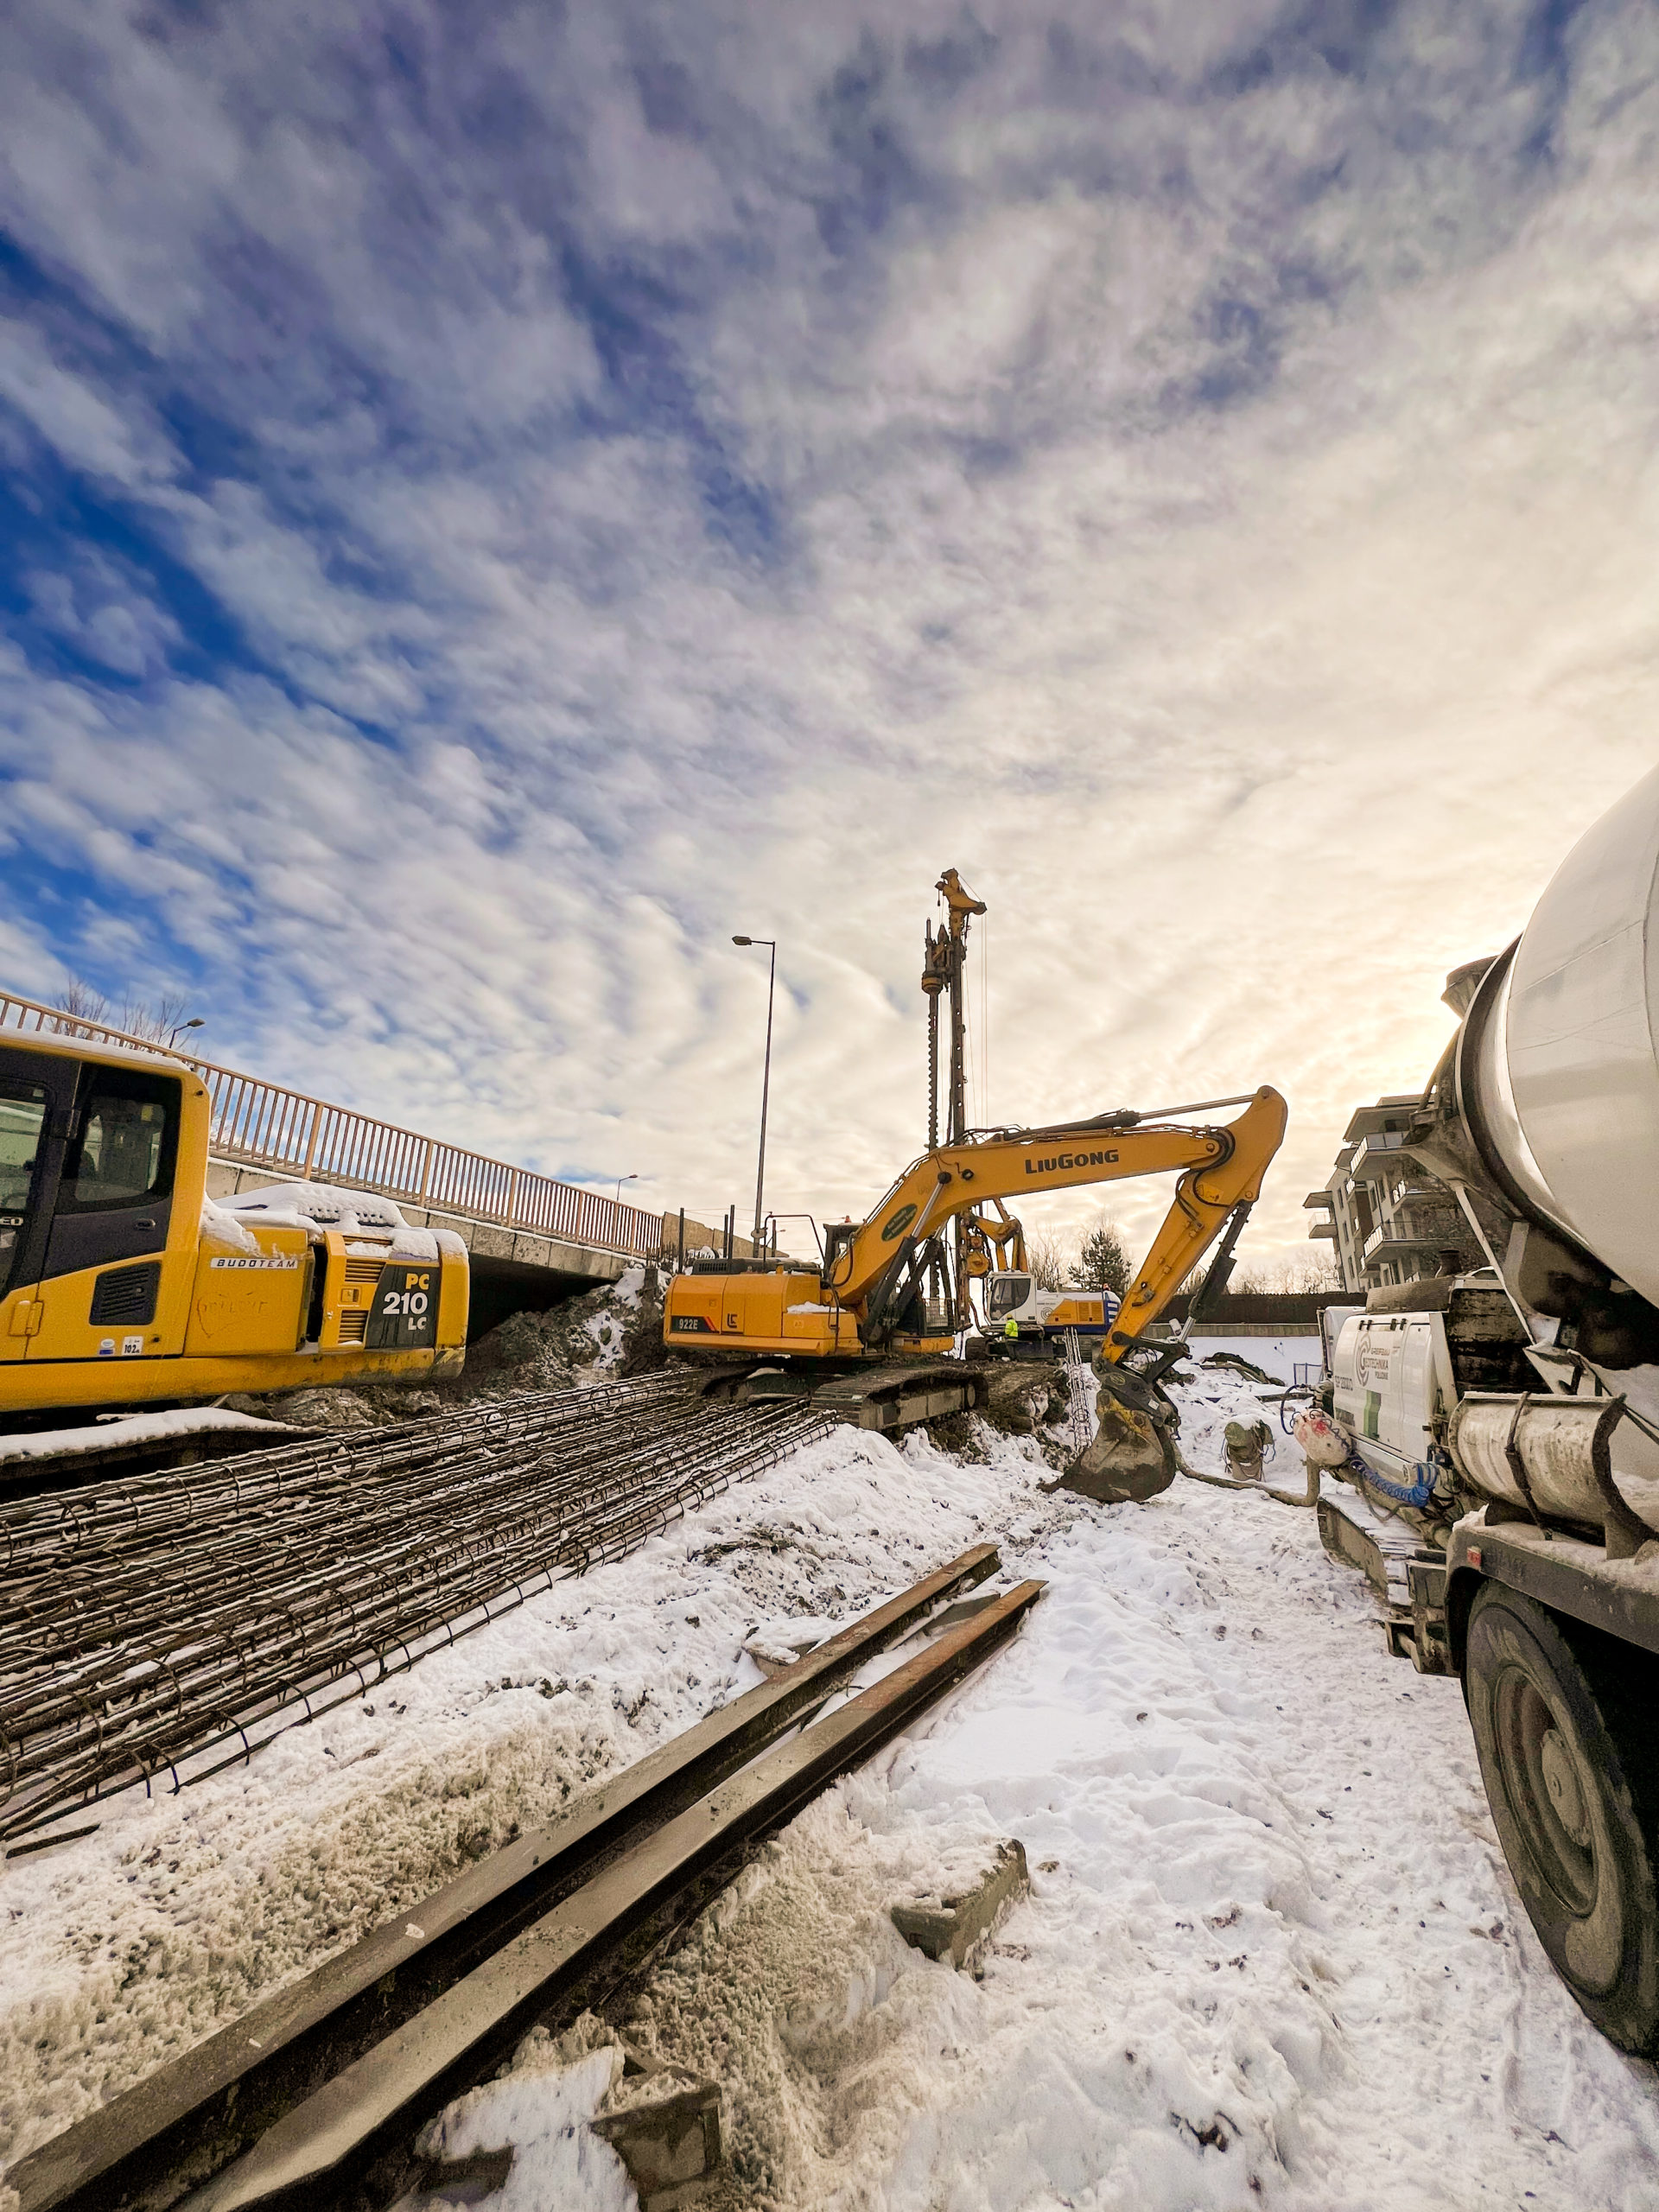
x=122, y=1283
x=868, y=1300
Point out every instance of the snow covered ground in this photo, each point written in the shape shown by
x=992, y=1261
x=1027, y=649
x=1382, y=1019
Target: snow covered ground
x=137, y=1429
x=1271, y=1955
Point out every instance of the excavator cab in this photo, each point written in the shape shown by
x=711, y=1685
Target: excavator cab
x=116, y=1289
x=1005, y=1294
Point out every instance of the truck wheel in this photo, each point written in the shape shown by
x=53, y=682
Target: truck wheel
x=1555, y=1712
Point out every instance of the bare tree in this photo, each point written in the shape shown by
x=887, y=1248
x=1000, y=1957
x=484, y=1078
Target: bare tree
x=157, y=1021
x=1051, y=1260
x=80, y=1005
x=84, y=1009
x=1298, y=1276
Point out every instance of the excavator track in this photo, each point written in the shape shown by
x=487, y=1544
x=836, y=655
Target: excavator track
x=881, y=1394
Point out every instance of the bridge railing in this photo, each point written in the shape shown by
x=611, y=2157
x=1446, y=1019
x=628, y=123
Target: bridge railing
x=260, y=1124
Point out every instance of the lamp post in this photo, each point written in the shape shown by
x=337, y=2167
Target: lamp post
x=196, y=1022
x=621, y=1180
x=765, y=1082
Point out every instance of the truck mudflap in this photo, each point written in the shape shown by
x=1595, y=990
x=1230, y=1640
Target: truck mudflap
x=1570, y=1575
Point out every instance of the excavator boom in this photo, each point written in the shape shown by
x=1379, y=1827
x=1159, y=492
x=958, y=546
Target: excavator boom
x=1220, y=1167
x=864, y=1299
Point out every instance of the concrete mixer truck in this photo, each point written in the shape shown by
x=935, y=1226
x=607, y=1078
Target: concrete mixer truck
x=1502, y=1425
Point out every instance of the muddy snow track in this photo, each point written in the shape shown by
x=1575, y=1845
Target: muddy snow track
x=156, y=1630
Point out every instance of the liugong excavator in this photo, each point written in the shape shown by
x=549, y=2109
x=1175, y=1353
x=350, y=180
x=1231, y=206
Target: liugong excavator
x=943, y=1221
x=866, y=1299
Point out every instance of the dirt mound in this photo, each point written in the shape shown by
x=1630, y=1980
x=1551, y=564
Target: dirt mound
x=615, y=1330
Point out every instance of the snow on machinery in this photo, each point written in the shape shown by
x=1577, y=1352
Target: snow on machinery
x=1502, y=1425
x=896, y=1285
x=122, y=1283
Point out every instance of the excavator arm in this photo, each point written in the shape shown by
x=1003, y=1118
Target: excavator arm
x=872, y=1273
x=1206, y=1198
x=994, y=1244
x=1220, y=1168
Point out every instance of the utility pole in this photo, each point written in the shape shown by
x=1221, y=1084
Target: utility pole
x=766, y=1084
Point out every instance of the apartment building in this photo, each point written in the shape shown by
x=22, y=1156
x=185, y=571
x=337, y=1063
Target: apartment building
x=1387, y=1219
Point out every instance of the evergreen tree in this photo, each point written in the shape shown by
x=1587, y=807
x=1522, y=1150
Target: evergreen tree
x=1104, y=1264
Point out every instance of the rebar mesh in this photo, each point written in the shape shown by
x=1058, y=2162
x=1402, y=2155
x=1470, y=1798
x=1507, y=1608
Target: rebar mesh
x=157, y=1629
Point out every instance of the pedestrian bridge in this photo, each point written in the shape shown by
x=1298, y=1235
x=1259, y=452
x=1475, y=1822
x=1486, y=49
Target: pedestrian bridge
x=532, y=1239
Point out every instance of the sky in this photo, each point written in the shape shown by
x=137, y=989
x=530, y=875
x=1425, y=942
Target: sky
x=498, y=498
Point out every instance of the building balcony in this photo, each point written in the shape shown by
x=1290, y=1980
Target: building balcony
x=1419, y=1255
x=1388, y=1114
x=1435, y=1219
x=1323, y=1229
x=1376, y=1159
x=1413, y=1189
x=1316, y=1199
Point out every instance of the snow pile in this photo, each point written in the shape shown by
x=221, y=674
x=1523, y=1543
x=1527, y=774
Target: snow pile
x=220, y=1225
x=1270, y=1955
x=359, y=1215
x=541, y=2105
x=584, y=1340
x=325, y=1205
x=607, y=1328
x=138, y=1428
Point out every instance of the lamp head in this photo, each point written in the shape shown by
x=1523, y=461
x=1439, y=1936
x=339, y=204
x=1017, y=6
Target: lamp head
x=742, y=940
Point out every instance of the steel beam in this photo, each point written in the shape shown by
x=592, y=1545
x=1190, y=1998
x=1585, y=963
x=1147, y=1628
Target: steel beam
x=203, y=2107
x=325, y=2147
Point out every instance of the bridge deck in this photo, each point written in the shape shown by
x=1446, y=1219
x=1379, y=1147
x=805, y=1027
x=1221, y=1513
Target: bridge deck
x=522, y=1227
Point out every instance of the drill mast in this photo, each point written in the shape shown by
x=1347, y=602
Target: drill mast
x=944, y=960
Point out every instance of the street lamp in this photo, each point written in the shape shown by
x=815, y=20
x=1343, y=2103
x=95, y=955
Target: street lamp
x=765, y=1081
x=621, y=1180
x=196, y=1022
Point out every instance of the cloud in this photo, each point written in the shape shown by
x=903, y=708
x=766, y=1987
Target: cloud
x=504, y=500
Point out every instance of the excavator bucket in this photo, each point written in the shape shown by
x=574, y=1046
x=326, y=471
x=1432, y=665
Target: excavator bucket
x=1133, y=1455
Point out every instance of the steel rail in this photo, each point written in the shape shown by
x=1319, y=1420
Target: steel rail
x=138, y=1637
x=309, y=2090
